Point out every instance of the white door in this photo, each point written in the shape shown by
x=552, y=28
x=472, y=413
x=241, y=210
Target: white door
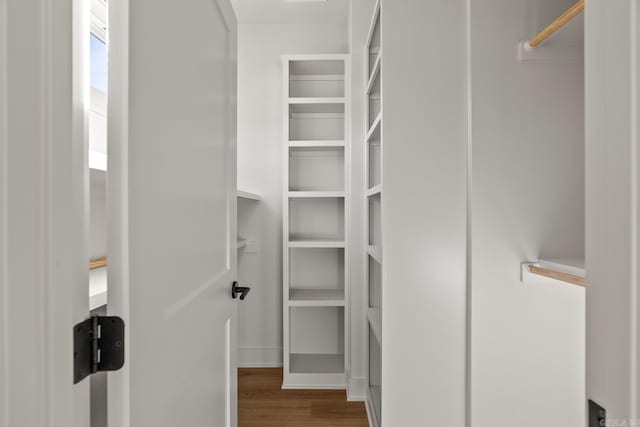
x=172, y=211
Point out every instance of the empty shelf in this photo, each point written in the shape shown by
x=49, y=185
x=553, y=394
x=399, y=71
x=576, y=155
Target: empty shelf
x=375, y=190
x=317, y=243
x=248, y=195
x=375, y=321
x=315, y=194
x=316, y=297
x=375, y=252
x=316, y=363
x=569, y=270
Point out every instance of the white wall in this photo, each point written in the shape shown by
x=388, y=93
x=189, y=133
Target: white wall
x=260, y=170
x=424, y=212
x=527, y=202
x=613, y=362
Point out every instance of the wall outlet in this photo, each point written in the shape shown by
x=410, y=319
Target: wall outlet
x=252, y=247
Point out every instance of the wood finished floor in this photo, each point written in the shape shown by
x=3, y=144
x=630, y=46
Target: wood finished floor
x=263, y=403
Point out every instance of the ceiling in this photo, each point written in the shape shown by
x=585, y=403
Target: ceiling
x=283, y=12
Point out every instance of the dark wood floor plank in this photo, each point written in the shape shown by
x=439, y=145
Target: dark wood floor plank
x=263, y=403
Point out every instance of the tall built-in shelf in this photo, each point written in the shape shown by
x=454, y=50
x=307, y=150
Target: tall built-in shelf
x=316, y=155
x=373, y=214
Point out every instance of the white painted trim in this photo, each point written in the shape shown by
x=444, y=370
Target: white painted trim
x=370, y=412
x=4, y=249
x=356, y=389
x=118, y=195
x=259, y=357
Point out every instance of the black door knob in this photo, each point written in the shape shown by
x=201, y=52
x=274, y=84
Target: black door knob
x=242, y=290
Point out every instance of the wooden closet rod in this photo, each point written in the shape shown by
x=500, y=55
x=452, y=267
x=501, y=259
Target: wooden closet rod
x=561, y=20
x=97, y=263
x=558, y=275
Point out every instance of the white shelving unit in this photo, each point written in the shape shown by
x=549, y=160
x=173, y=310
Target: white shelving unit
x=316, y=156
x=373, y=210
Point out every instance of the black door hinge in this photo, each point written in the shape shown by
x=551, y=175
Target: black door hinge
x=98, y=345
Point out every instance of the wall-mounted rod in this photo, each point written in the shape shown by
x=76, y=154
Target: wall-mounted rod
x=97, y=263
x=558, y=275
x=561, y=20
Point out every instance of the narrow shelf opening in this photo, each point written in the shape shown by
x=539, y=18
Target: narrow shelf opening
x=316, y=219
x=316, y=169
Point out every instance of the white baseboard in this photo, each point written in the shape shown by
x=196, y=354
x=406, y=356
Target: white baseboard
x=259, y=357
x=357, y=389
x=370, y=414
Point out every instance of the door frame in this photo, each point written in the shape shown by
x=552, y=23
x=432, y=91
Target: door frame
x=43, y=210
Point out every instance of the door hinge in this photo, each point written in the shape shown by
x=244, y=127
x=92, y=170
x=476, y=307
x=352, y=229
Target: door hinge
x=98, y=345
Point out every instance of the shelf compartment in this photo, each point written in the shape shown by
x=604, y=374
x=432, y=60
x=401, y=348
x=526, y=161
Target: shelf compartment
x=316, y=169
x=373, y=134
x=316, y=297
x=316, y=269
x=374, y=174
x=316, y=363
x=374, y=279
x=374, y=100
x=375, y=73
x=316, y=78
x=375, y=374
x=316, y=219
x=375, y=252
x=316, y=331
x=375, y=224
x=317, y=121
x=374, y=316
x=373, y=43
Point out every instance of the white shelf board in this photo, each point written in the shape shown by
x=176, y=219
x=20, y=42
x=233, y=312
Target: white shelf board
x=375, y=321
x=317, y=100
x=374, y=125
x=317, y=243
x=316, y=363
x=374, y=191
x=316, y=77
x=97, y=287
x=242, y=243
x=316, y=297
x=312, y=144
x=316, y=194
x=374, y=73
x=375, y=252
x=248, y=195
